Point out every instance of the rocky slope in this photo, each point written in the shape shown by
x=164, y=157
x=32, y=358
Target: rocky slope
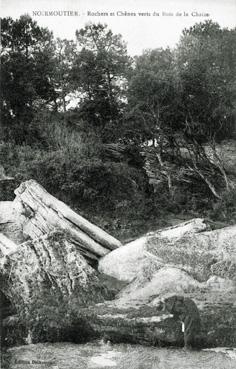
x=124, y=263
x=59, y=295
x=197, y=264
x=44, y=280
x=46, y=252
x=52, y=262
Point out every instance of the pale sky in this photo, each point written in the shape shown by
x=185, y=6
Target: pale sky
x=140, y=32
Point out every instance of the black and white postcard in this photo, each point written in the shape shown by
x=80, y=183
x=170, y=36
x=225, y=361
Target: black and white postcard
x=118, y=184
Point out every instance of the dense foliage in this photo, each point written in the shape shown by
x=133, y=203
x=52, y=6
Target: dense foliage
x=77, y=116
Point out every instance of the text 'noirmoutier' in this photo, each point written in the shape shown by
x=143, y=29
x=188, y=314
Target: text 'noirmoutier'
x=61, y=13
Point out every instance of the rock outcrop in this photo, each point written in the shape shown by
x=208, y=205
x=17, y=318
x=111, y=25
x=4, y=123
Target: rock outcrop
x=198, y=265
x=34, y=212
x=46, y=253
x=201, y=254
x=52, y=262
x=125, y=263
x=45, y=280
x=52, y=283
x=49, y=262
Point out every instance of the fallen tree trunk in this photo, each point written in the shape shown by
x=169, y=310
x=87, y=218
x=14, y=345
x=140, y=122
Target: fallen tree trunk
x=40, y=213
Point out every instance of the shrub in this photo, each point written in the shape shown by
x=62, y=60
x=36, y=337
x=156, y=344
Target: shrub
x=225, y=209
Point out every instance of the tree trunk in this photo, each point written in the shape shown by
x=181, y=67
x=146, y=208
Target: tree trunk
x=206, y=180
x=166, y=174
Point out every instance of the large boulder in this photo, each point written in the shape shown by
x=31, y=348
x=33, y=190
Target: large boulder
x=54, y=289
x=45, y=248
x=201, y=254
x=135, y=316
x=125, y=262
x=52, y=262
x=198, y=265
x=45, y=280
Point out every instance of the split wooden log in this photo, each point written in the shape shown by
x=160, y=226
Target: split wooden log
x=41, y=213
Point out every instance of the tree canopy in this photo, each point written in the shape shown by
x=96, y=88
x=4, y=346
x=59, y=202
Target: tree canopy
x=26, y=70
x=88, y=111
x=100, y=73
